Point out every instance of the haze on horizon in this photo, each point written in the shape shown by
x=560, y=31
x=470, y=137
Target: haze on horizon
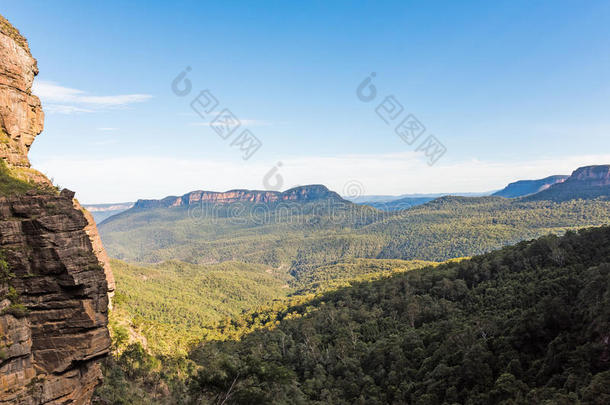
x=513, y=91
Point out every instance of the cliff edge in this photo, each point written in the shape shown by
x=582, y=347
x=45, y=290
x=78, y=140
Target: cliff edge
x=588, y=182
x=55, y=280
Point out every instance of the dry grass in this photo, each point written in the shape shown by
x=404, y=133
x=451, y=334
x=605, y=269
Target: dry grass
x=7, y=29
x=19, y=180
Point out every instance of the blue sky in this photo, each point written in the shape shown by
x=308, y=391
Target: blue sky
x=516, y=89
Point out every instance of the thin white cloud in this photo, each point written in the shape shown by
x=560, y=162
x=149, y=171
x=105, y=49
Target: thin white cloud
x=130, y=178
x=107, y=129
x=65, y=109
x=244, y=123
x=66, y=100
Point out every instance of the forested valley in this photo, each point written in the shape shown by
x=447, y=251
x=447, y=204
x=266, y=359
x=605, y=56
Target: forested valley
x=525, y=324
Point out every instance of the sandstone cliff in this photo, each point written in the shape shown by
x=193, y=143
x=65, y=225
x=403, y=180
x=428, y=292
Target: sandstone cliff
x=596, y=176
x=21, y=117
x=55, y=279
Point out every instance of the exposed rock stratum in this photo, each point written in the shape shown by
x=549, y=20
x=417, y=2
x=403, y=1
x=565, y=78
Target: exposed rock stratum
x=55, y=280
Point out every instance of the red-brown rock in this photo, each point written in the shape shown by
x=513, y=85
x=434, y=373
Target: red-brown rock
x=50, y=353
x=21, y=116
x=55, y=280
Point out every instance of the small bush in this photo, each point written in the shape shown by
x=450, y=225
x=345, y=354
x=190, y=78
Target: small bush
x=5, y=271
x=17, y=310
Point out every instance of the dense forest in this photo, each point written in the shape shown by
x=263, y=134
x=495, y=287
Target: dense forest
x=526, y=324
x=170, y=305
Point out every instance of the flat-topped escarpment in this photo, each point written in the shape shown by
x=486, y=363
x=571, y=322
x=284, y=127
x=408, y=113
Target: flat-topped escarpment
x=297, y=194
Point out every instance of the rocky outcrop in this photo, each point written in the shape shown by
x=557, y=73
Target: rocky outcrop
x=596, y=176
x=21, y=116
x=297, y=194
x=55, y=279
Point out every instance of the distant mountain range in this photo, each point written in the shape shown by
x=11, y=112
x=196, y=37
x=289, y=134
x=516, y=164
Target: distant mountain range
x=585, y=183
x=387, y=198
x=397, y=202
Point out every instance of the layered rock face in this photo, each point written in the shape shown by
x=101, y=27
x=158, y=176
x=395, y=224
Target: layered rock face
x=53, y=328
x=21, y=116
x=55, y=280
x=592, y=175
x=297, y=194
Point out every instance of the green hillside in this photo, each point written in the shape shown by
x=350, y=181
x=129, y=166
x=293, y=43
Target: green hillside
x=331, y=276
x=459, y=226
x=169, y=304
